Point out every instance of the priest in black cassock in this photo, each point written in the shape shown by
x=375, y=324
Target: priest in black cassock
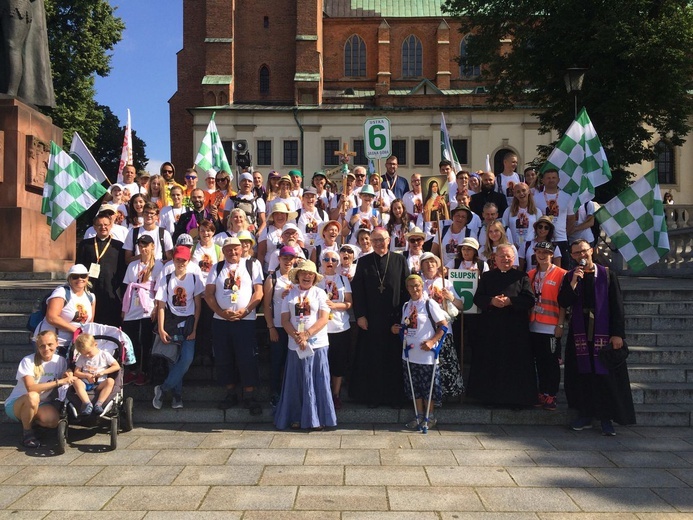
x=379, y=291
x=103, y=255
x=502, y=371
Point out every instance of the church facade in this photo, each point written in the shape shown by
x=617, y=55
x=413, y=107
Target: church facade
x=297, y=79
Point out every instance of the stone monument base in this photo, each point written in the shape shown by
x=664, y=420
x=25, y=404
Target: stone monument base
x=25, y=240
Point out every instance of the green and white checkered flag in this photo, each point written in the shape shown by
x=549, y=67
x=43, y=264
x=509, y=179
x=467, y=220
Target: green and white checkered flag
x=68, y=191
x=635, y=222
x=211, y=155
x=580, y=160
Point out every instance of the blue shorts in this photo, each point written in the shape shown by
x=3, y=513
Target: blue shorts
x=9, y=408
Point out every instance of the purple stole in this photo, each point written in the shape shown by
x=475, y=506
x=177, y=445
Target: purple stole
x=601, y=323
x=192, y=224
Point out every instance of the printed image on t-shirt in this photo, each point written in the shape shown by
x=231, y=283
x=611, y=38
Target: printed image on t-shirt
x=492, y=261
x=205, y=263
x=180, y=297
x=302, y=307
x=399, y=238
x=451, y=247
x=509, y=189
x=331, y=290
x=522, y=221
x=411, y=321
x=552, y=208
x=232, y=281
x=365, y=223
x=436, y=294
x=418, y=206
x=80, y=314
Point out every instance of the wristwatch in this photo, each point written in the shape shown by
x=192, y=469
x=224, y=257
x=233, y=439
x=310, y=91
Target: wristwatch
x=560, y=326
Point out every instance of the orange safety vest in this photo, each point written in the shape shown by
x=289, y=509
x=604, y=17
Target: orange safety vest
x=546, y=306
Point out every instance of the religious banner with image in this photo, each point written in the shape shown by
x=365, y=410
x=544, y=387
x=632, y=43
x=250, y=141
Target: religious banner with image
x=464, y=284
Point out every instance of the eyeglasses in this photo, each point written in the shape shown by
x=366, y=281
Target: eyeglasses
x=329, y=260
x=190, y=178
x=150, y=214
x=377, y=240
x=79, y=276
x=416, y=181
x=543, y=226
x=580, y=252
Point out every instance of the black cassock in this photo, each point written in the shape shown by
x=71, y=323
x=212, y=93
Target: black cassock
x=502, y=371
x=377, y=368
x=106, y=287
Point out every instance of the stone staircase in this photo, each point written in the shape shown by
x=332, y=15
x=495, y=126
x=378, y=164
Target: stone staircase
x=660, y=336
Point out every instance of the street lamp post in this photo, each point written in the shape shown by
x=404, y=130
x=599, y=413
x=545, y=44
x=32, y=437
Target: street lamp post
x=573, y=83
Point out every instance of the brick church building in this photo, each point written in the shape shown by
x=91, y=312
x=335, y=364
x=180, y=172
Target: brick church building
x=298, y=78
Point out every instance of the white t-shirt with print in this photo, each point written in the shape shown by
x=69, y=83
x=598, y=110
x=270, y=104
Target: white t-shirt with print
x=133, y=274
x=419, y=329
x=336, y=287
x=180, y=294
x=234, y=286
x=521, y=225
x=154, y=233
x=77, y=311
x=306, y=305
x=206, y=258
x=556, y=206
x=99, y=362
x=52, y=370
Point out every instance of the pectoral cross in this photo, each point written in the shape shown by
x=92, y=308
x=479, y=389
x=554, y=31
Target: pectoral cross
x=344, y=154
x=381, y=288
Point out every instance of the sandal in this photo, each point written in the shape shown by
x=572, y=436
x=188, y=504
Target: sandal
x=29, y=439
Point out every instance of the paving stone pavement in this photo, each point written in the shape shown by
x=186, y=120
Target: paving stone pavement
x=353, y=472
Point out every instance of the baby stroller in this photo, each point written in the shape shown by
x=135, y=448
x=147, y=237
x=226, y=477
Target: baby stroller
x=117, y=412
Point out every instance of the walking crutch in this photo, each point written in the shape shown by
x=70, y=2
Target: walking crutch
x=405, y=348
x=436, y=351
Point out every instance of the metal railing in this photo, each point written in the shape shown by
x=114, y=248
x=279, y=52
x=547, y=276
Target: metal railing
x=677, y=263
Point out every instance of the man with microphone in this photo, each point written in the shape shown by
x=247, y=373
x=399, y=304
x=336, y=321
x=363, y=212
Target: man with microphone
x=593, y=386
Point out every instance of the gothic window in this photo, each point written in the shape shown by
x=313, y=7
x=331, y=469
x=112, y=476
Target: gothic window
x=264, y=80
x=412, y=57
x=467, y=70
x=664, y=162
x=355, y=57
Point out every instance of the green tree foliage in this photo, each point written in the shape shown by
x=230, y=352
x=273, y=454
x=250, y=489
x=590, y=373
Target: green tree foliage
x=637, y=54
x=109, y=144
x=80, y=35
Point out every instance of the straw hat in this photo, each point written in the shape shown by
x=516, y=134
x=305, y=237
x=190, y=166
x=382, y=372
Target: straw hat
x=280, y=207
x=306, y=266
x=469, y=242
x=415, y=233
x=429, y=256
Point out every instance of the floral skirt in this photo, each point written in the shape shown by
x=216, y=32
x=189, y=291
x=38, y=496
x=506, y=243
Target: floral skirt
x=451, y=379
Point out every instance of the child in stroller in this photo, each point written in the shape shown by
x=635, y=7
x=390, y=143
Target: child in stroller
x=92, y=367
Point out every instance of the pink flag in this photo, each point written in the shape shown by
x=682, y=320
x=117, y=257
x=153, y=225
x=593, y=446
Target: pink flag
x=126, y=154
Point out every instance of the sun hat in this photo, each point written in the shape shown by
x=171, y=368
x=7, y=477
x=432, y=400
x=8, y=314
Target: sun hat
x=285, y=178
x=415, y=233
x=245, y=176
x=310, y=191
x=296, y=173
x=323, y=226
x=231, y=241
x=181, y=252
x=105, y=208
x=544, y=220
x=469, y=242
x=245, y=235
x=367, y=190
x=280, y=207
x=290, y=227
x=462, y=207
x=307, y=266
x=355, y=250
x=319, y=173
x=429, y=256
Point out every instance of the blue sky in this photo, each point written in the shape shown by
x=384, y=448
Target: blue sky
x=143, y=73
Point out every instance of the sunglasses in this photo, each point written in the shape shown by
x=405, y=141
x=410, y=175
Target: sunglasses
x=360, y=176
x=329, y=260
x=223, y=179
x=415, y=240
x=543, y=226
x=166, y=171
x=190, y=178
x=346, y=250
x=79, y=276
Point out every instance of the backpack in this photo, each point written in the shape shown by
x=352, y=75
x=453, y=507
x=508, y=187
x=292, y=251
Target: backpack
x=136, y=233
x=249, y=262
x=321, y=212
x=249, y=206
x=36, y=317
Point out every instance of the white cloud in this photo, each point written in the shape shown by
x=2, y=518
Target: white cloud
x=154, y=165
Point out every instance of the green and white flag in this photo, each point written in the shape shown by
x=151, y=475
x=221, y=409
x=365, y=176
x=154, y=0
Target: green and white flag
x=635, y=222
x=68, y=191
x=447, y=152
x=580, y=160
x=211, y=155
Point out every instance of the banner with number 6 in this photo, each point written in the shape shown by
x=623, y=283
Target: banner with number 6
x=464, y=284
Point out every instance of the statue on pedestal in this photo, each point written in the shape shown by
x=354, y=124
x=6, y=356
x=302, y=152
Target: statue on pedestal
x=25, y=67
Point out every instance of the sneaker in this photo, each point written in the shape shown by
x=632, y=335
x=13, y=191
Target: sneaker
x=432, y=421
x=229, y=401
x=87, y=408
x=608, y=429
x=141, y=379
x=157, y=402
x=177, y=402
x=98, y=409
x=130, y=377
x=541, y=400
x=550, y=403
x=581, y=423
x=415, y=423
x=337, y=402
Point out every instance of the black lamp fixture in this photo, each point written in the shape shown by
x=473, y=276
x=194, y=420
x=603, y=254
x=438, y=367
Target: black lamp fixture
x=573, y=78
